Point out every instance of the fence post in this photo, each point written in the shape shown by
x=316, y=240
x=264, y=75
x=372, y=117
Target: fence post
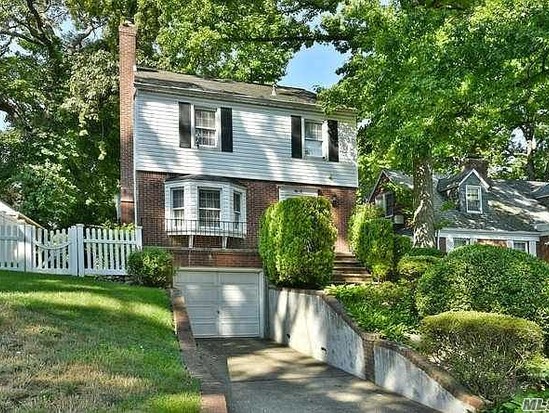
x=139, y=237
x=79, y=249
x=29, y=247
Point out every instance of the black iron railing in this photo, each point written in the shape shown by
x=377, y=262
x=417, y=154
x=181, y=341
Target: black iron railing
x=210, y=227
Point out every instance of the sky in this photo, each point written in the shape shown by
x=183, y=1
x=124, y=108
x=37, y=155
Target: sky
x=313, y=67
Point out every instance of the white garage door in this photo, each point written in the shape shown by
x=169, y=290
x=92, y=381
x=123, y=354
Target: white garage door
x=222, y=303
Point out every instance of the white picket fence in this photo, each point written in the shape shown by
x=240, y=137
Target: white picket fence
x=77, y=250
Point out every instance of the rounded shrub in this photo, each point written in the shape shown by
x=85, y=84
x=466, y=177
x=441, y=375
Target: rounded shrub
x=485, y=351
x=151, y=266
x=296, y=242
x=372, y=240
x=412, y=267
x=425, y=251
x=487, y=278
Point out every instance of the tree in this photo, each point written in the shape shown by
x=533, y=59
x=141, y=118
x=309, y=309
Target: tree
x=438, y=80
x=58, y=70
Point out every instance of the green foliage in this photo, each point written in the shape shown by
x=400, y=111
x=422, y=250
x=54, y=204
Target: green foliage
x=433, y=252
x=412, y=267
x=401, y=246
x=484, y=351
x=152, y=267
x=361, y=213
x=487, y=278
x=387, y=308
x=371, y=240
x=296, y=242
x=404, y=195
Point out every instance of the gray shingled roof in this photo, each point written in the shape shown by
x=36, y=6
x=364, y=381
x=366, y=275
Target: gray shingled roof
x=512, y=205
x=286, y=94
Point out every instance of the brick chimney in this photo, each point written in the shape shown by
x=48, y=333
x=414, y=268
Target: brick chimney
x=478, y=164
x=127, y=46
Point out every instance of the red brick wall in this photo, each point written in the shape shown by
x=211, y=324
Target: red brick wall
x=259, y=195
x=127, y=44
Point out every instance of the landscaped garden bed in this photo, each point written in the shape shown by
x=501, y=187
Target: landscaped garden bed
x=72, y=344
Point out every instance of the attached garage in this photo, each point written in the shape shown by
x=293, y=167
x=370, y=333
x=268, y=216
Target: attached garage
x=223, y=302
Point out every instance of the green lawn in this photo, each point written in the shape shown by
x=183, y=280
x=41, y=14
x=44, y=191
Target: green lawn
x=72, y=344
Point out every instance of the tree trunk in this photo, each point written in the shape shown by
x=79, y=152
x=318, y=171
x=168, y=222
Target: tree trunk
x=424, y=212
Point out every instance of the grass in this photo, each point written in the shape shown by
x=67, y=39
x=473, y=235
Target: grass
x=72, y=344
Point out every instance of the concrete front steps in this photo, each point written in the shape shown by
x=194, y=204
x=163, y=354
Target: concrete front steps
x=347, y=270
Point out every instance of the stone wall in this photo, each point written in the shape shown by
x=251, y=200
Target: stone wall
x=315, y=324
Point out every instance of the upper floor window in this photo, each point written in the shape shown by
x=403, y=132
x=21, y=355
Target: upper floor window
x=205, y=127
x=473, y=199
x=314, y=141
x=205, y=130
x=209, y=207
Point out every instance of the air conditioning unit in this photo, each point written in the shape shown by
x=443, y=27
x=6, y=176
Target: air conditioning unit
x=398, y=219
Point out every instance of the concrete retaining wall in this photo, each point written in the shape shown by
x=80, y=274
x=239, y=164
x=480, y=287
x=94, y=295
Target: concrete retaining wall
x=315, y=324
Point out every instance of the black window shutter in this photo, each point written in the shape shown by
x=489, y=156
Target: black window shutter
x=333, y=141
x=226, y=129
x=184, y=125
x=296, y=137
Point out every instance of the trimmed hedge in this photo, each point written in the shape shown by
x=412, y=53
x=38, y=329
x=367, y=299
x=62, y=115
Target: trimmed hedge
x=485, y=351
x=372, y=240
x=387, y=308
x=425, y=251
x=151, y=266
x=412, y=267
x=487, y=278
x=296, y=242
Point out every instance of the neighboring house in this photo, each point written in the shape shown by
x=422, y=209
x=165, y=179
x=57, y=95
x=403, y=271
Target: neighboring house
x=9, y=216
x=472, y=208
x=201, y=160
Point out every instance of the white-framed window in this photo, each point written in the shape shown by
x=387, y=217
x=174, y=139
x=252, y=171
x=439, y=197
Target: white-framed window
x=205, y=127
x=386, y=201
x=178, y=203
x=461, y=242
x=209, y=207
x=473, y=199
x=520, y=245
x=237, y=209
x=314, y=138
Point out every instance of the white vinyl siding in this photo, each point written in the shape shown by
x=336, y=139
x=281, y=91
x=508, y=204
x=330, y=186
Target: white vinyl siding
x=262, y=147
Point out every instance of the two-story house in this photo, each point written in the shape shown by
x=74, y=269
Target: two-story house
x=201, y=160
x=472, y=208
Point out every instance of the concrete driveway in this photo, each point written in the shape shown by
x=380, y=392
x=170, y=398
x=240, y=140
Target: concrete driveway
x=261, y=376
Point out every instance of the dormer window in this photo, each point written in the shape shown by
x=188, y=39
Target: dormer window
x=473, y=199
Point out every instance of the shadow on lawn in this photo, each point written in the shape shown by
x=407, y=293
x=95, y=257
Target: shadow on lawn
x=119, y=351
